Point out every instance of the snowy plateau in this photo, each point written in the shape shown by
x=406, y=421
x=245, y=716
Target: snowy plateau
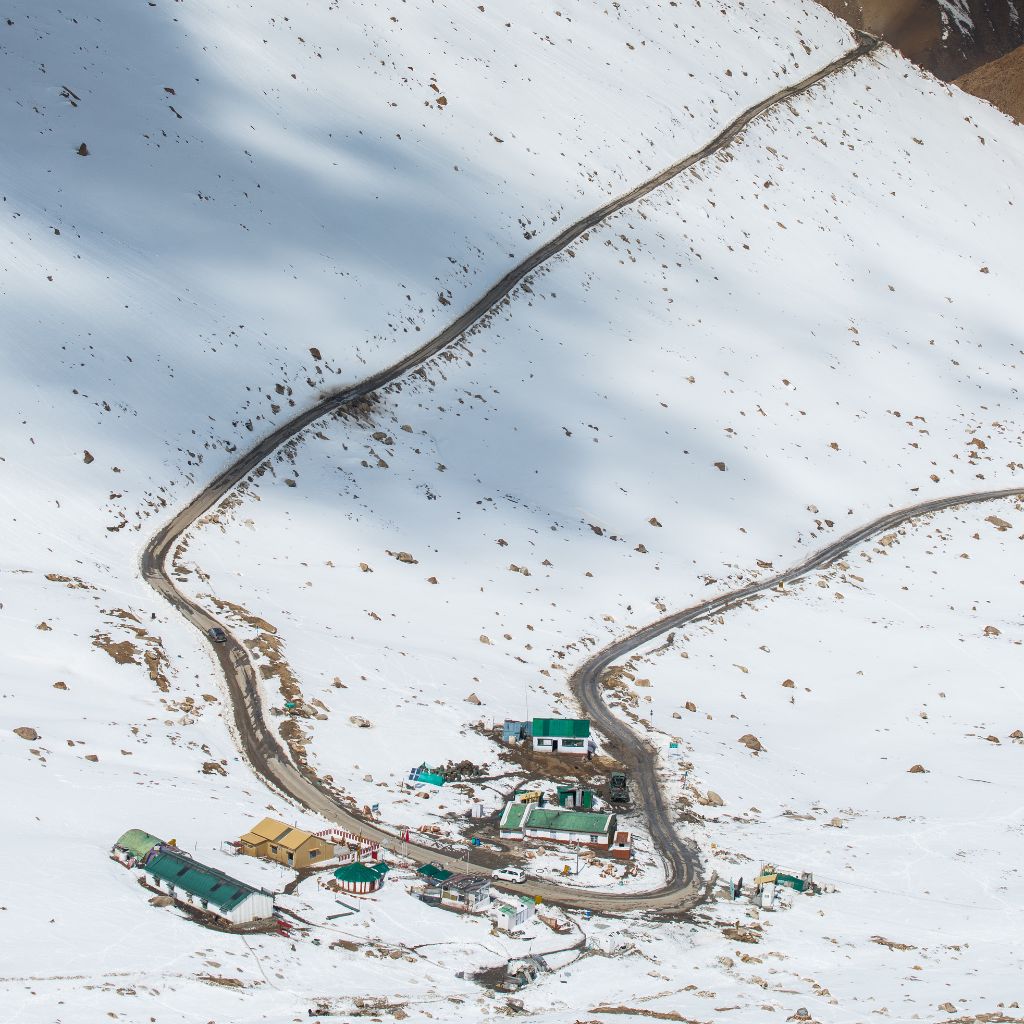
x=215, y=216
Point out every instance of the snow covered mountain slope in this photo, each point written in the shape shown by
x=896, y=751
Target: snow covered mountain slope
x=200, y=259
x=903, y=656
x=780, y=347
x=259, y=186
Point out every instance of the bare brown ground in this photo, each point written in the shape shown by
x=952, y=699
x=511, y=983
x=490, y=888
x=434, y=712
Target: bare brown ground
x=1001, y=83
x=915, y=28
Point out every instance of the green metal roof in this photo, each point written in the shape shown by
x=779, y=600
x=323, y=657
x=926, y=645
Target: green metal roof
x=207, y=883
x=138, y=843
x=359, y=872
x=575, y=728
x=433, y=871
x=512, y=816
x=380, y=867
x=569, y=821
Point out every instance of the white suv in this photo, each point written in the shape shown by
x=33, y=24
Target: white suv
x=509, y=874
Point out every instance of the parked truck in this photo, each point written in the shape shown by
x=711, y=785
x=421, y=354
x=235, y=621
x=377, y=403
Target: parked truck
x=618, y=791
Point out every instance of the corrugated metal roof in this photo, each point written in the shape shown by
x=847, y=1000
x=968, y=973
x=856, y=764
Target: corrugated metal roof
x=466, y=883
x=568, y=728
x=357, y=872
x=207, y=883
x=273, y=831
x=512, y=816
x=568, y=821
x=433, y=871
x=138, y=843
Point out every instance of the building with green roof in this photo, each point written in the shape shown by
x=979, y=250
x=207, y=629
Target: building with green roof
x=562, y=735
x=135, y=846
x=204, y=888
x=434, y=873
x=529, y=821
x=360, y=878
x=510, y=826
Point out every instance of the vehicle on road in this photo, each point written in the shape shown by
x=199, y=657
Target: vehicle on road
x=217, y=635
x=516, y=875
x=618, y=790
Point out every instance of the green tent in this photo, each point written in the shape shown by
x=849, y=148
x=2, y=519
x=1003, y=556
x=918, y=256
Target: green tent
x=138, y=843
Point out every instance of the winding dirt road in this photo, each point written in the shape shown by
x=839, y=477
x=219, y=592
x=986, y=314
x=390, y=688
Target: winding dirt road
x=263, y=749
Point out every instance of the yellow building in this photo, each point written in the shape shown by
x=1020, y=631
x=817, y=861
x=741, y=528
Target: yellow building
x=285, y=844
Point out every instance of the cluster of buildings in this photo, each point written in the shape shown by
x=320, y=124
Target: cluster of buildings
x=472, y=894
x=526, y=817
x=172, y=872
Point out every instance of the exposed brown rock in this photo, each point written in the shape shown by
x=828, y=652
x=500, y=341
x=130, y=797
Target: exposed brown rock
x=1001, y=82
x=918, y=29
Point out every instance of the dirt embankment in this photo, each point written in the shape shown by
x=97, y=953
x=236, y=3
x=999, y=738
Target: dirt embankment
x=1001, y=83
x=931, y=36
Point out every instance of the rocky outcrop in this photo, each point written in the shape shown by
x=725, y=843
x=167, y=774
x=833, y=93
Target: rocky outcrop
x=947, y=37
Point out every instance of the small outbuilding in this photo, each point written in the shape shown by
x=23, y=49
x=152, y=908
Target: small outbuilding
x=468, y=893
x=360, y=879
x=576, y=797
x=513, y=731
x=622, y=844
x=433, y=874
x=515, y=914
x=561, y=735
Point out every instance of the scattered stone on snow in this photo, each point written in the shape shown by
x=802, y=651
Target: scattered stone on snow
x=26, y=732
x=751, y=742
